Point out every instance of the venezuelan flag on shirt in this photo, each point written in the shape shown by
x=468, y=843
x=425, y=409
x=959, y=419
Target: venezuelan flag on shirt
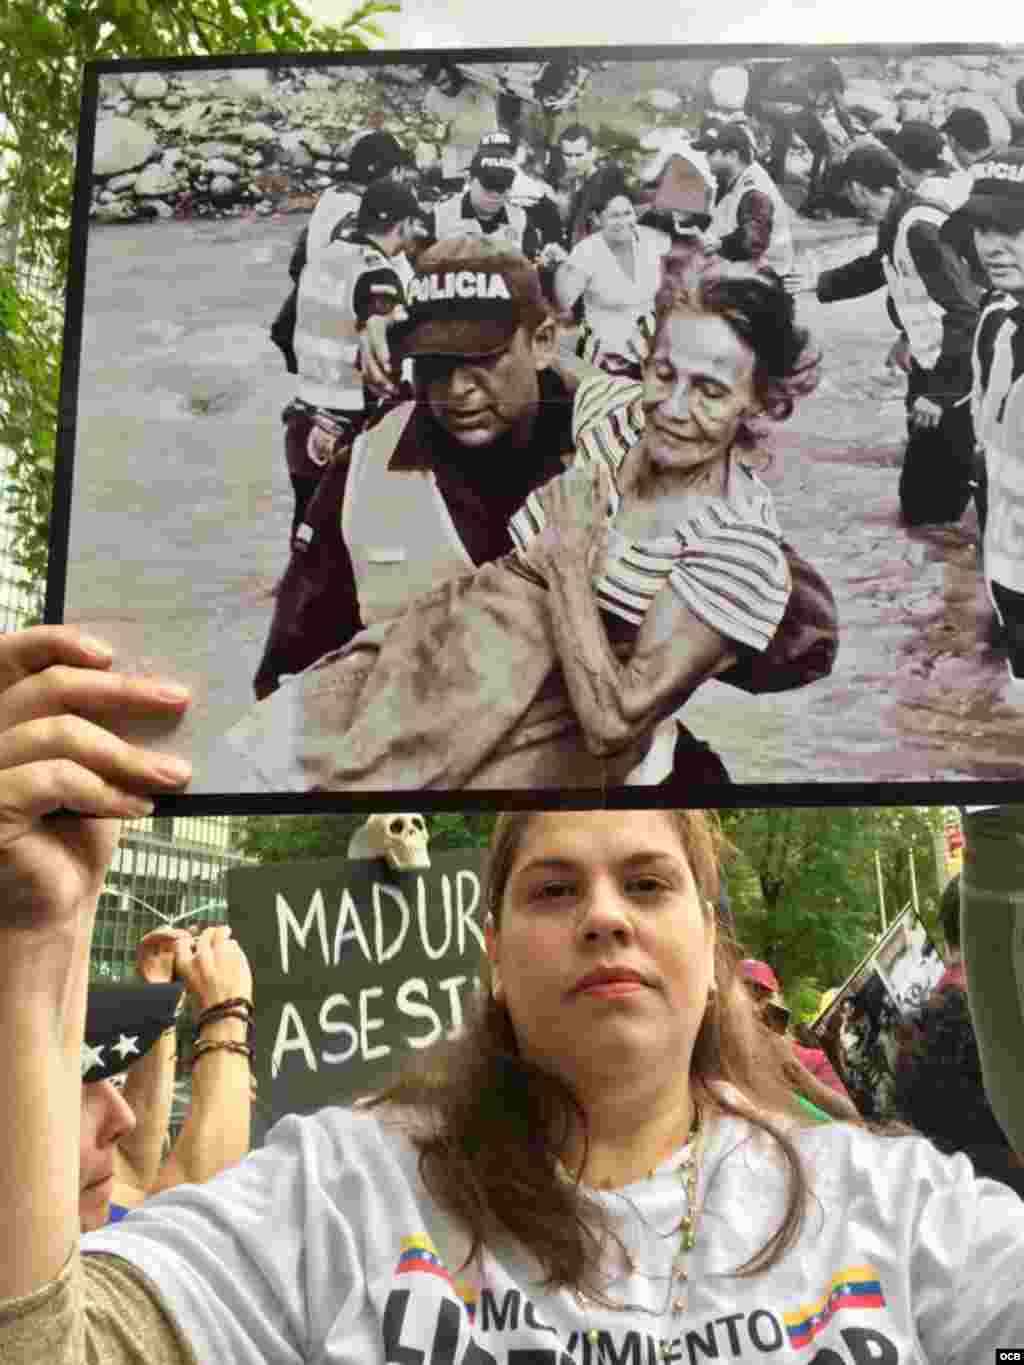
x=857, y=1287
x=419, y=1253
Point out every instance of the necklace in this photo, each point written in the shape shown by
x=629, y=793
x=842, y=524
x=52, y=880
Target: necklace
x=677, y=1296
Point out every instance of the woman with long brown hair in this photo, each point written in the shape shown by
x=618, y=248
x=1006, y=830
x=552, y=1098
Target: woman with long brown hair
x=605, y=1166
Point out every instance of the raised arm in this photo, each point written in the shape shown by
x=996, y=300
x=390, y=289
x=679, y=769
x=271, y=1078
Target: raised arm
x=57, y=765
x=674, y=651
x=216, y=1130
x=149, y=1082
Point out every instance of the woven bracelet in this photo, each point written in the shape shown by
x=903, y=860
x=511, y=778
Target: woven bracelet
x=201, y=1049
x=238, y=1002
x=250, y=1024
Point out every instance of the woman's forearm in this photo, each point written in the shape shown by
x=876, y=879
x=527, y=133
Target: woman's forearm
x=615, y=702
x=216, y=1131
x=42, y=1022
x=149, y=1091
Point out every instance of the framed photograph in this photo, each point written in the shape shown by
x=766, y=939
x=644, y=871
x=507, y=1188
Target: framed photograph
x=546, y=421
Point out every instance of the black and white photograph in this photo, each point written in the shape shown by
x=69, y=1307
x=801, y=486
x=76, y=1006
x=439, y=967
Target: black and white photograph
x=565, y=419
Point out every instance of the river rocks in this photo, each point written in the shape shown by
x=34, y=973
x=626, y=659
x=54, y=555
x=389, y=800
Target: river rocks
x=293, y=150
x=149, y=87
x=121, y=144
x=155, y=180
x=318, y=146
x=117, y=185
x=222, y=187
x=665, y=101
x=728, y=87
x=231, y=141
x=256, y=133
x=254, y=81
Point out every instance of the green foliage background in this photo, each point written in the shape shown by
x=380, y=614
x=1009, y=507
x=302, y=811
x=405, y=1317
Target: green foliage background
x=44, y=45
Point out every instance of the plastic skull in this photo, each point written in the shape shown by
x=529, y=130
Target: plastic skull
x=400, y=839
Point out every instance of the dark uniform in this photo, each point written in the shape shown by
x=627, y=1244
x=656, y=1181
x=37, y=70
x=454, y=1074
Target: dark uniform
x=512, y=223
x=938, y=475
x=317, y=605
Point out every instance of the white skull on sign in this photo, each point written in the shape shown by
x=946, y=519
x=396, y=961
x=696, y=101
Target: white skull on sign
x=400, y=839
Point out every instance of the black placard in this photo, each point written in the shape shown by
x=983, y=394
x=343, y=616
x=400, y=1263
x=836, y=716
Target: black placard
x=354, y=964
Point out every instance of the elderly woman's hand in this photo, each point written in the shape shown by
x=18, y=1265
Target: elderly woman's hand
x=576, y=508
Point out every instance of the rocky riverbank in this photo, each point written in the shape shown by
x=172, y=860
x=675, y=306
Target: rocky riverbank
x=260, y=140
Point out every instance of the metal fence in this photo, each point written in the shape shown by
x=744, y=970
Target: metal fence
x=17, y=600
x=166, y=871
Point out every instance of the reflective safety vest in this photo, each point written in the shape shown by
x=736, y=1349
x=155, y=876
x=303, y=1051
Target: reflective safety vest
x=326, y=340
x=449, y=222
x=920, y=316
x=998, y=410
x=725, y=216
x=396, y=525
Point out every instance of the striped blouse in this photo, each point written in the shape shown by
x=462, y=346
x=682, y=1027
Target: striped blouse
x=724, y=560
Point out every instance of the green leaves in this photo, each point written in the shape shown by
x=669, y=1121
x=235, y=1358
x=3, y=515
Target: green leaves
x=804, y=885
x=294, y=838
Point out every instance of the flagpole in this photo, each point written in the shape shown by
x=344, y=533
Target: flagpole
x=913, y=882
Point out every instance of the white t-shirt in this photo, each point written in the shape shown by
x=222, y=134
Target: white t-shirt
x=612, y=302
x=325, y=1247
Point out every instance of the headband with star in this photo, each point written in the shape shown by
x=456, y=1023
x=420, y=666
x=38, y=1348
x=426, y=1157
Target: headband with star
x=123, y=1020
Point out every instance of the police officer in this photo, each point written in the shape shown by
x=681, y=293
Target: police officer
x=750, y=218
x=485, y=207
x=425, y=494
x=344, y=282
x=933, y=301
x=995, y=212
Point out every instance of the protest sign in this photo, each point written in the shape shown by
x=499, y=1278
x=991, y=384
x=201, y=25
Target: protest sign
x=354, y=964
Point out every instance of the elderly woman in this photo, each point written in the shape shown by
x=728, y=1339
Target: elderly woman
x=615, y=273
x=606, y=1165
x=555, y=666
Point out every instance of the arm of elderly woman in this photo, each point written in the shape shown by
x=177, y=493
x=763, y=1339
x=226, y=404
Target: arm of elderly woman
x=674, y=650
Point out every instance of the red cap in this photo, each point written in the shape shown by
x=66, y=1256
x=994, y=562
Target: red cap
x=760, y=973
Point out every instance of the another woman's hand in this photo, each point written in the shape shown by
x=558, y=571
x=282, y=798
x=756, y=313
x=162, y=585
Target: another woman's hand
x=59, y=763
x=576, y=507
x=214, y=968
x=156, y=952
